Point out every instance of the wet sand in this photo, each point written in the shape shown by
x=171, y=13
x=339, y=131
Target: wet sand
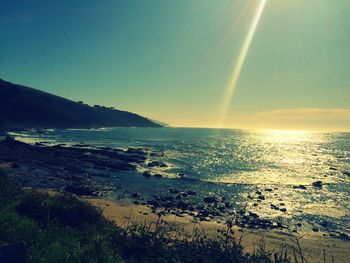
x=314, y=246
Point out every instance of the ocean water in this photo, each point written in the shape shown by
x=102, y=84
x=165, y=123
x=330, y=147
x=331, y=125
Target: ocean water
x=235, y=164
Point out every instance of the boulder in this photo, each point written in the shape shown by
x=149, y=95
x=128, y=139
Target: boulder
x=182, y=205
x=136, y=195
x=211, y=199
x=317, y=184
x=192, y=193
x=147, y=174
x=174, y=191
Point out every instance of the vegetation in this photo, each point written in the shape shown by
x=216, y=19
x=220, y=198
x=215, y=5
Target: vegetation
x=64, y=229
x=24, y=107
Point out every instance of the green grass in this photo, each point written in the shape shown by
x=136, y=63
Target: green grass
x=65, y=229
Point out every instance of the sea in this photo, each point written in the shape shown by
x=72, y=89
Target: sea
x=306, y=172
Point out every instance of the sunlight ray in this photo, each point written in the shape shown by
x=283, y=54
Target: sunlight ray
x=236, y=72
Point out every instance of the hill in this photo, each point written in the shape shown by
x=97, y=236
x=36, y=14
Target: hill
x=24, y=107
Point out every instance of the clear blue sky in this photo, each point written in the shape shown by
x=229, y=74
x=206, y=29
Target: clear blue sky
x=172, y=60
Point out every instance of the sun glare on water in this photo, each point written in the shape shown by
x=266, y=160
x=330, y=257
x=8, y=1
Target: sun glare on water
x=287, y=136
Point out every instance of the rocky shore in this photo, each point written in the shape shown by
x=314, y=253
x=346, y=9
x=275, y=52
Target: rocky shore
x=85, y=171
x=79, y=170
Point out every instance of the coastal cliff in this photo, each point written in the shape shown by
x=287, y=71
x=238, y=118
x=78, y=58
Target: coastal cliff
x=23, y=107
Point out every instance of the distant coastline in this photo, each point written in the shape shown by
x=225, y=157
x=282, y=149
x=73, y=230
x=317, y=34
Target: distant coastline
x=23, y=107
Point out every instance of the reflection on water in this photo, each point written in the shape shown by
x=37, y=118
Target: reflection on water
x=283, y=165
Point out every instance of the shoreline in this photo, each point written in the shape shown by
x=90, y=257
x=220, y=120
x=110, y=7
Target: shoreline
x=124, y=214
x=86, y=172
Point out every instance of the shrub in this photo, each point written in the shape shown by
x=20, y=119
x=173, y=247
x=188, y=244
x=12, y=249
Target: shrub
x=64, y=210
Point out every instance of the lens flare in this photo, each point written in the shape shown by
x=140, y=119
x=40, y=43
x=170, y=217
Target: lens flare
x=236, y=72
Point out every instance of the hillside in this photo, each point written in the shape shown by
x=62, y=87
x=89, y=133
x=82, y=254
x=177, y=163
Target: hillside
x=24, y=107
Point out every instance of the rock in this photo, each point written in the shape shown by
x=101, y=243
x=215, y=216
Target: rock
x=191, y=208
x=183, y=194
x=228, y=205
x=147, y=174
x=317, y=184
x=153, y=202
x=168, y=204
x=210, y=199
x=136, y=151
x=80, y=145
x=299, y=187
x=283, y=210
x=241, y=212
x=344, y=236
x=182, y=205
x=200, y=207
x=261, y=197
x=333, y=169
x=167, y=198
x=156, y=154
x=80, y=189
x=14, y=165
x=324, y=224
x=174, y=191
x=253, y=215
x=274, y=207
x=136, y=195
x=268, y=190
x=156, y=164
x=274, y=225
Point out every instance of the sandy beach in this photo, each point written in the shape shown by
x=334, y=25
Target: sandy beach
x=314, y=246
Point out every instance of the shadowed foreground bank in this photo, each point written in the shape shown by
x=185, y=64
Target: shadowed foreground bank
x=61, y=228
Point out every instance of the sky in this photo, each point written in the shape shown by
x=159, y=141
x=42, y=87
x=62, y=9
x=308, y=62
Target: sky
x=173, y=60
